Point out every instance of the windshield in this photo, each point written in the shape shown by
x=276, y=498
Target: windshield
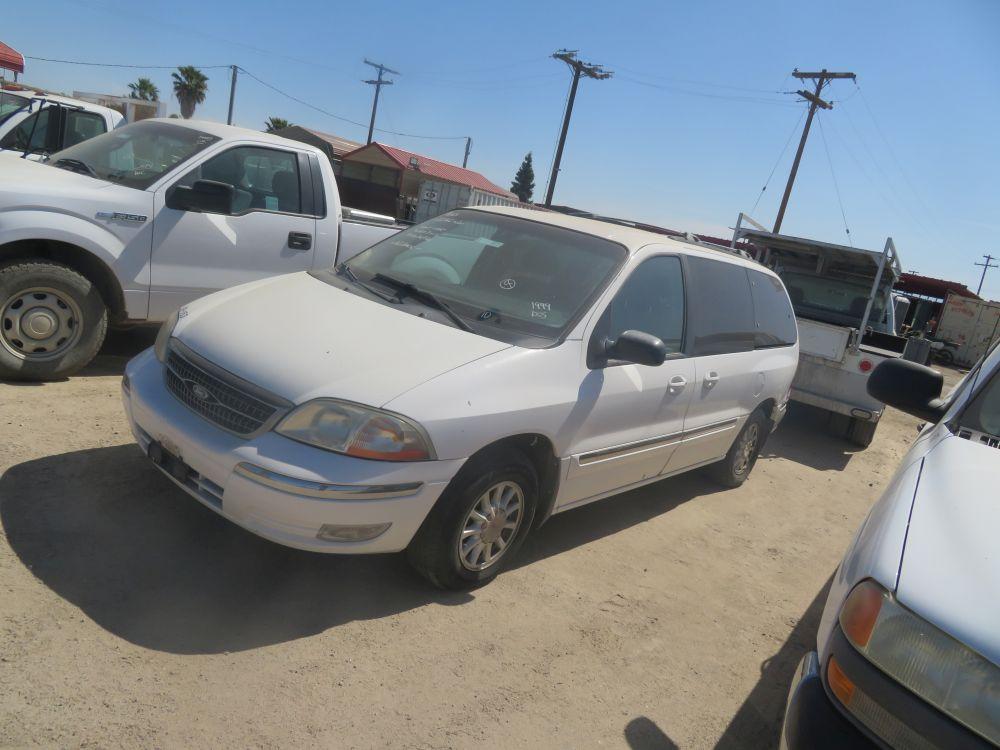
x=135, y=155
x=835, y=301
x=10, y=103
x=507, y=276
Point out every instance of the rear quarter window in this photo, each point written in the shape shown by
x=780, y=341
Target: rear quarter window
x=775, y=320
x=723, y=320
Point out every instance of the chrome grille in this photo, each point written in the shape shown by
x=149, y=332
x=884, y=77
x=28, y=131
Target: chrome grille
x=218, y=396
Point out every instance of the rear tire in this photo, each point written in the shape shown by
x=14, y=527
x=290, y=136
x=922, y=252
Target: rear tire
x=52, y=320
x=475, y=530
x=733, y=470
x=861, y=432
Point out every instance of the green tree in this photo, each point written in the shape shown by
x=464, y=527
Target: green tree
x=524, y=181
x=276, y=123
x=144, y=89
x=190, y=87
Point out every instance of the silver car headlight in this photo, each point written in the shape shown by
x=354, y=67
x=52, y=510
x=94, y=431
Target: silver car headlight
x=356, y=430
x=163, y=337
x=926, y=660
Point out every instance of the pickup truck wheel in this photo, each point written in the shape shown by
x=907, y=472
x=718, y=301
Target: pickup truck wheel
x=861, y=432
x=733, y=470
x=52, y=320
x=478, y=523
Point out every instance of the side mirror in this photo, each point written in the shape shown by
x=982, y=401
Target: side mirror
x=206, y=196
x=637, y=347
x=909, y=387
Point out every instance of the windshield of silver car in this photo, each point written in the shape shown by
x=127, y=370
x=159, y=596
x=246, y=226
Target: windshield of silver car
x=502, y=274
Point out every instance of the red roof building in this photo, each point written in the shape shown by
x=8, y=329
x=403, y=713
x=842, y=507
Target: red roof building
x=11, y=59
x=927, y=286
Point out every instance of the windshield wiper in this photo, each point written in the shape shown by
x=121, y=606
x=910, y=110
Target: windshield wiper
x=428, y=298
x=345, y=270
x=75, y=165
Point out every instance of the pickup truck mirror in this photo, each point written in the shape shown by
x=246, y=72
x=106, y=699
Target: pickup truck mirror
x=207, y=196
x=637, y=347
x=915, y=389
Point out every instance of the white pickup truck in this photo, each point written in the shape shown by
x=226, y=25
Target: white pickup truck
x=128, y=226
x=844, y=307
x=33, y=125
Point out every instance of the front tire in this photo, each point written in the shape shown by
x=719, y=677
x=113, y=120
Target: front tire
x=52, y=320
x=479, y=523
x=733, y=470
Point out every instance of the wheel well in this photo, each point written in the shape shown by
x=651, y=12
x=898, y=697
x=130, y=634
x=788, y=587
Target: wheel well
x=766, y=407
x=83, y=262
x=539, y=450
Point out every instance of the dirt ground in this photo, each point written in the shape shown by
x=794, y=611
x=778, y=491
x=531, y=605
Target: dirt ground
x=671, y=616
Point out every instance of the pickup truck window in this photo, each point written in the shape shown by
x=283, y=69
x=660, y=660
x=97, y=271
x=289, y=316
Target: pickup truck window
x=18, y=137
x=724, y=322
x=833, y=300
x=263, y=178
x=80, y=126
x=651, y=301
x=508, y=276
x=772, y=311
x=135, y=155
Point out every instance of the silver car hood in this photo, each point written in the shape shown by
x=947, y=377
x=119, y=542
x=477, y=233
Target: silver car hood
x=950, y=572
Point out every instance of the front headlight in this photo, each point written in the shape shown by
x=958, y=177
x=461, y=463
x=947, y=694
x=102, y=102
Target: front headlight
x=926, y=660
x=163, y=337
x=356, y=430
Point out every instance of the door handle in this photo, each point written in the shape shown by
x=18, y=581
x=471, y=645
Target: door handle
x=711, y=378
x=677, y=382
x=300, y=240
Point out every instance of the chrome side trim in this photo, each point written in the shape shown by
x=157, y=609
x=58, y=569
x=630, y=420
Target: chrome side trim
x=711, y=429
x=624, y=450
x=323, y=490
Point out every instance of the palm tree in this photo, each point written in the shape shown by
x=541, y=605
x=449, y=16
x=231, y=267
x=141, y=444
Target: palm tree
x=190, y=87
x=144, y=89
x=276, y=123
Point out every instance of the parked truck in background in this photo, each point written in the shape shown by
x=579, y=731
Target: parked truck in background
x=968, y=327
x=128, y=226
x=34, y=125
x=438, y=197
x=846, y=316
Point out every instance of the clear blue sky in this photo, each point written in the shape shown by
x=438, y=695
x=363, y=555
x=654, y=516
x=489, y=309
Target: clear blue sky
x=915, y=151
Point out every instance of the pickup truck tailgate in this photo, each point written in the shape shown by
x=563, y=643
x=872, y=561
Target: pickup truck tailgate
x=822, y=339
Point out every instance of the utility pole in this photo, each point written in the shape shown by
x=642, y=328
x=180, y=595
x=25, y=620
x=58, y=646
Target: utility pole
x=468, y=148
x=986, y=267
x=232, y=95
x=580, y=68
x=378, y=84
x=822, y=78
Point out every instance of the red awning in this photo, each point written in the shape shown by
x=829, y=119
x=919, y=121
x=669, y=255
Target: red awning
x=11, y=59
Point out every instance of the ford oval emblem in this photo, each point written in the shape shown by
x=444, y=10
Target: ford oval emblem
x=200, y=392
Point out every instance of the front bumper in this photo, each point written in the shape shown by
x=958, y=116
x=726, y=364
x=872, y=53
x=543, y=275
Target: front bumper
x=812, y=721
x=277, y=488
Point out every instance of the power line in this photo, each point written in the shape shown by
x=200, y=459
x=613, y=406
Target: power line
x=836, y=187
x=707, y=95
x=118, y=65
x=690, y=82
x=777, y=162
x=322, y=111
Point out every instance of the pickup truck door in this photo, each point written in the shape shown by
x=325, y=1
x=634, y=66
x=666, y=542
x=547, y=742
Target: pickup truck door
x=634, y=413
x=269, y=230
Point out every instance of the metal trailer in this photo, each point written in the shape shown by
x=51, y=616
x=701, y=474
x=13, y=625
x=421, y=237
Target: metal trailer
x=972, y=325
x=436, y=197
x=835, y=356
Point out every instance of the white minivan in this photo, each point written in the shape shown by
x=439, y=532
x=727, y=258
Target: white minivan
x=458, y=383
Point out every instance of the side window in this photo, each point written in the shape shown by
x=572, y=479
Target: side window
x=651, y=301
x=18, y=137
x=773, y=312
x=724, y=322
x=263, y=178
x=81, y=126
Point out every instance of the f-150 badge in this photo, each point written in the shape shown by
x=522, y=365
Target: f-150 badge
x=119, y=216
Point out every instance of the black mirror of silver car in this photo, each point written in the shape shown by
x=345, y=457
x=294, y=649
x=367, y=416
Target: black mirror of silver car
x=909, y=387
x=637, y=347
x=207, y=196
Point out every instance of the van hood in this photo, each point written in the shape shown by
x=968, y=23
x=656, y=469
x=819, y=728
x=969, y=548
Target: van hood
x=302, y=338
x=950, y=573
